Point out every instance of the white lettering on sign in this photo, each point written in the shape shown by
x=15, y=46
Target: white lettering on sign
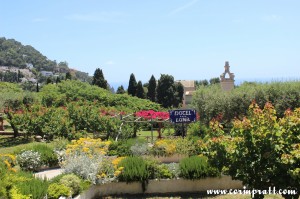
x=183, y=119
x=183, y=113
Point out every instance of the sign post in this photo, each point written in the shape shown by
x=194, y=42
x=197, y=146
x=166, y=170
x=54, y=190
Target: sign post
x=182, y=116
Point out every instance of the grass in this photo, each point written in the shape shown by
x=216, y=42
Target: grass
x=165, y=132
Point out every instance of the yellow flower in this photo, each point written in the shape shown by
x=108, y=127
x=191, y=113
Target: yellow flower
x=117, y=173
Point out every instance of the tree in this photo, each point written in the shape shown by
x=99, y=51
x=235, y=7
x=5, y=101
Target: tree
x=202, y=82
x=166, y=91
x=57, y=80
x=152, y=89
x=121, y=90
x=98, y=79
x=68, y=76
x=214, y=80
x=132, y=87
x=49, y=80
x=179, y=94
x=140, y=90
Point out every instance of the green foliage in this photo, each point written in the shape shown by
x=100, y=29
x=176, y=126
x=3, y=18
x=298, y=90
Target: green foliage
x=121, y=90
x=48, y=157
x=132, y=86
x=212, y=101
x=196, y=167
x=197, y=129
x=268, y=146
x=70, y=91
x=135, y=169
x=169, y=93
x=166, y=90
x=68, y=76
x=29, y=160
x=35, y=187
x=214, y=80
x=140, y=90
x=55, y=190
x=73, y=182
x=21, y=185
x=124, y=147
x=178, y=94
x=157, y=170
x=98, y=79
x=151, y=94
x=13, y=53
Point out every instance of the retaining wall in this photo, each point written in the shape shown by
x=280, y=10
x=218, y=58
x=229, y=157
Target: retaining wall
x=162, y=187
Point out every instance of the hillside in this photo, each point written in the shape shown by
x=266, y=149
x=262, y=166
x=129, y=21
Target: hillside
x=14, y=56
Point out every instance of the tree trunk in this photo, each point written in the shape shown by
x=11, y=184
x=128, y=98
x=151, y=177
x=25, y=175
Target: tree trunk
x=15, y=129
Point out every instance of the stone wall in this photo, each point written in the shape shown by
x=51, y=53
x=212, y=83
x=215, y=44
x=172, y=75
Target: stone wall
x=161, y=187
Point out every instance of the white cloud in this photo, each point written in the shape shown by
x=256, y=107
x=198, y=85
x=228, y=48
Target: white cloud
x=96, y=17
x=179, y=9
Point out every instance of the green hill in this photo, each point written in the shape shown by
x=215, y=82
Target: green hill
x=13, y=53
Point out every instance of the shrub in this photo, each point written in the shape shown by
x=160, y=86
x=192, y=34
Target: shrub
x=135, y=169
x=139, y=149
x=265, y=149
x=48, y=156
x=164, y=147
x=196, y=167
x=56, y=190
x=83, y=165
x=35, y=187
x=29, y=160
x=73, y=182
x=89, y=146
x=123, y=147
x=174, y=169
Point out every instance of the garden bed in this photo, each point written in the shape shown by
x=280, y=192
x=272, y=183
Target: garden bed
x=163, y=186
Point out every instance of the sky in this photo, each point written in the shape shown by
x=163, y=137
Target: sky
x=189, y=39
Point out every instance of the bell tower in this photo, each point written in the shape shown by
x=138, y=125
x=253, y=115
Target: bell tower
x=227, y=82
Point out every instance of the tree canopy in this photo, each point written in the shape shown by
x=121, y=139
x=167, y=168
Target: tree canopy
x=152, y=89
x=132, y=86
x=166, y=91
x=98, y=79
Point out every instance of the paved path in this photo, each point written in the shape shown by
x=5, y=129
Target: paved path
x=51, y=173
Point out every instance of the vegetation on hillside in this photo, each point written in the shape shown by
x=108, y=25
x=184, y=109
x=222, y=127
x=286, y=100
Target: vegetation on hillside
x=213, y=102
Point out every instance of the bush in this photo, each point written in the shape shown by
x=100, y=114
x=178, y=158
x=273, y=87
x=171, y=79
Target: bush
x=196, y=167
x=123, y=147
x=29, y=160
x=48, y=156
x=73, y=182
x=139, y=149
x=135, y=169
x=83, y=166
x=56, y=190
x=35, y=187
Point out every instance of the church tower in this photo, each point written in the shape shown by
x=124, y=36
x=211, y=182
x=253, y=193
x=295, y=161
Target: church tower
x=227, y=78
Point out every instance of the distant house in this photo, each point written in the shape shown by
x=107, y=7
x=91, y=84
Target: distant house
x=189, y=89
x=46, y=73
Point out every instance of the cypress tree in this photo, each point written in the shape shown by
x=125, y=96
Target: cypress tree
x=140, y=90
x=166, y=91
x=98, y=79
x=121, y=90
x=152, y=89
x=179, y=94
x=68, y=76
x=132, y=86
